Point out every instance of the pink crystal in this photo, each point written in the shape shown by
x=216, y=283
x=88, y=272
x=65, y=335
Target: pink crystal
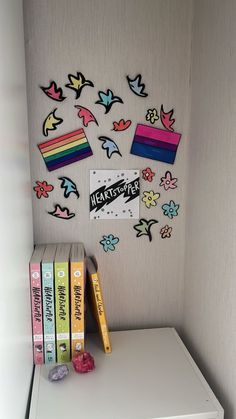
x=83, y=362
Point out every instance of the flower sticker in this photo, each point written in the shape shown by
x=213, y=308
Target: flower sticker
x=109, y=242
x=152, y=115
x=165, y=232
x=168, y=182
x=42, y=189
x=148, y=174
x=144, y=228
x=150, y=198
x=171, y=209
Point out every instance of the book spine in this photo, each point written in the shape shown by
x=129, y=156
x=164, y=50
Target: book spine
x=48, y=313
x=62, y=312
x=36, y=307
x=100, y=310
x=77, y=307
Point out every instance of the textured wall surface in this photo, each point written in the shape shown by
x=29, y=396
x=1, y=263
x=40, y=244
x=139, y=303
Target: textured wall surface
x=106, y=40
x=15, y=217
x=210, y=288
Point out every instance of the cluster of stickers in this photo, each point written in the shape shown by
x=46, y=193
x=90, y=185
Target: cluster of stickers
x=42, y=189
x=114, y=194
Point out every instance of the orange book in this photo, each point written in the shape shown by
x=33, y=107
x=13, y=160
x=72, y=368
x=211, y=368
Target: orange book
x=96, y=299
x=77, y=289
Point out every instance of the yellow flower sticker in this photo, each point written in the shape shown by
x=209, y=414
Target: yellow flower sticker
x=150, y=198
x=152, y=115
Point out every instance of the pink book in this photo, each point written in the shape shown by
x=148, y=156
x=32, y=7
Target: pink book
x=36, y=303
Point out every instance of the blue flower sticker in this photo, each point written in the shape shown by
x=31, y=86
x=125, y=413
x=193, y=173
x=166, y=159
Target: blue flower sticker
x=171, y=209
x=109, y=242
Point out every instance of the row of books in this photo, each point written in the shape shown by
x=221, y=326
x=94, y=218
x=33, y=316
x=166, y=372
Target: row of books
x=59, y=275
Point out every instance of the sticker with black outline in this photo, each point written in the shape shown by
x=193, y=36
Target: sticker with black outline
x=166, y=232
x=114, y=194
x=148, y=174
x=122, y=125
x=69, y=186
x=170, y=210
x=152, y=115
x=166, y=119
x=53, y=92
x=110, y=146
x=51, y=122
x=144, y=228
x=42, y=189
x=168, y=181
x=60, y=212
x=108, y=99
x=77, y=83
x=150, y=198
x=86, y=115
x=136, y=86
x=109, y=242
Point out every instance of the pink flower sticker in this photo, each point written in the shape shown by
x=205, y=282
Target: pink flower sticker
x=165, y=232
x=148, y=174
x=168, y=182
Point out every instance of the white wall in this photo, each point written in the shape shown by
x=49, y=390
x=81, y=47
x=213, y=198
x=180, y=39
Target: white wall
x=15, y=217
x=210, y=276
x=106, y=40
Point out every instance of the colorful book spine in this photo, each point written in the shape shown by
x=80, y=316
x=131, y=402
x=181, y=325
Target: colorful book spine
x=77, y=286
x=48, y=313
x=99, y=309
x=37, y=318
x=62, y=311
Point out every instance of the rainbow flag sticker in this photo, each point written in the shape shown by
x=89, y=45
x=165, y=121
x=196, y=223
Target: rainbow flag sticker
x=156, y=144
x=65, y=149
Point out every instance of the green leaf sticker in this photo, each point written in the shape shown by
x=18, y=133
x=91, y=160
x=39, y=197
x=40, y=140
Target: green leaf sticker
x=144, y=228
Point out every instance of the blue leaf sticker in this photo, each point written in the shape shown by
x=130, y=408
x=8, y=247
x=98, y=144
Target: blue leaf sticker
x=69, y=187
x=110, y=146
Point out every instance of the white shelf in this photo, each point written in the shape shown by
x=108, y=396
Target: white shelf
x=149, y=375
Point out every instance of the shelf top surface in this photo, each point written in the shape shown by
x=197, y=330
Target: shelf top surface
x=148, y=375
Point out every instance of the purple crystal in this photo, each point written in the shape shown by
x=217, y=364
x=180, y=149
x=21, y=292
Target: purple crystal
x=58, y=373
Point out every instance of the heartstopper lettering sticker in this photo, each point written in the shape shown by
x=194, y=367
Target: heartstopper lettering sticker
x=114, y=194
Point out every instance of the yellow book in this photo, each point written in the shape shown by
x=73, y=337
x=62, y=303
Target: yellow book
x=77, y=287
x=96, y=299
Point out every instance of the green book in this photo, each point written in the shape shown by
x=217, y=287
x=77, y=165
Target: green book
x=47, y=267
x=61, y=269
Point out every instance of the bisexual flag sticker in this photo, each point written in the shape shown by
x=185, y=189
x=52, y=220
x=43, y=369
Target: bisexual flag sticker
x=155, y=143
